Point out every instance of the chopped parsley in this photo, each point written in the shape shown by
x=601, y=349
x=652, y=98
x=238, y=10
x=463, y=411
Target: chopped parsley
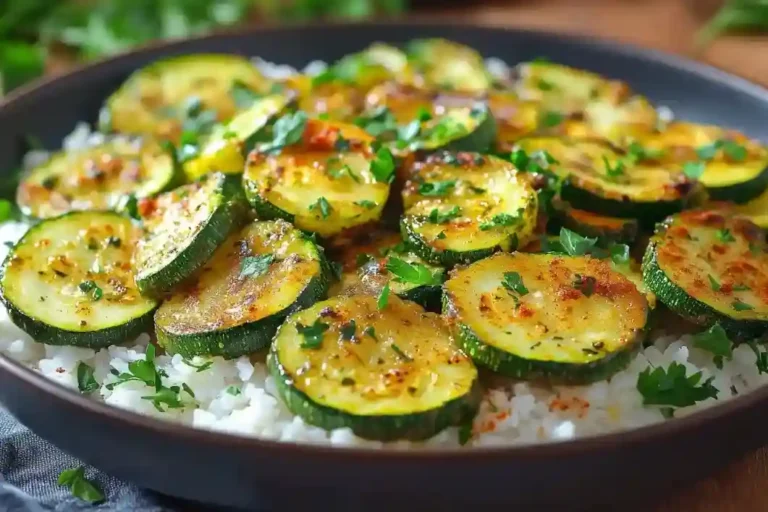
x=85, y=381
x=363, y=258
x=738, y=305
x=441, y=236
x=313, y=334
x=615, y=170
x=383, y=166
x=341, y=171
x=551, y=119
x=405, y=357
x=741, y=288
x=544, y=85
x=408, y=133
x=574, y=244
x=242, y=95
x=91, y=289
x=585, y=284
x=198, y=367
x=693, y=170
x=465, y=432
x=513, y=283
x=713, y=283
x=233, y=390
x=716, y=341
x=725, y=236
x=377, y=122
x=365, y=203
x=286, y=131
x=423, y=114
x=436, y=188
x=414, y=273
x=637, y=153
x=499, y=220
x=619, y=254
x=341, y=144
x=761, y=357
x=671, y=387
x=438, y=217
x=323, y=206
x=255, y=266
x=114, y=241
x=383, y=299
x=370, y=331
x=79, y=486
x=519, y=159
x=734, y=151
x=348, y=330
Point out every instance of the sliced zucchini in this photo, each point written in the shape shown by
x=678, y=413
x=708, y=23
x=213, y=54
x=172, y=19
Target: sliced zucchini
x=460, y=207
x=324, y=184
x=98, y=178
x=182, y=229
x=448, y=65
x=515, y=118
x=334, y=100
x=69, y=281
x=711, y=267
x=586, y=223
x=735, y=168
x=157, y=99
x=540, y=315
x=755, y=210
x=376, y=64
x=600, y=179
x=239, y=298
x=386, y=374
x=365, y=271
x=225, y=148
x=430, y=121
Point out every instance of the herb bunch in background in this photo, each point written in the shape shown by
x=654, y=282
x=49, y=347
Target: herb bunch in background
x=92, y=28
x=736, y=15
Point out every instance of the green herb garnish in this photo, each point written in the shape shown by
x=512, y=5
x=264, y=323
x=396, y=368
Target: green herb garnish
x=85, y=381
x=585, y=284
x=198, y=367
x=405, y=357
x=500, y=220
x=725, y=236
x=255, y=266
x=513, y=283
x=323, y=206
x=693, y=170
x=414, y=273
x=348, y=330
x=383, y=299
x=365, y=203
x=91, y=289
x=738, y=305
x=313, y=334
x=286, y=131
x=713, y=283
x=613, y=171
x=716, y=341
x=79, y=486
x=436, y=188
x=551, y=119
x=574, y=244
x=672, y=387
x=383, y=166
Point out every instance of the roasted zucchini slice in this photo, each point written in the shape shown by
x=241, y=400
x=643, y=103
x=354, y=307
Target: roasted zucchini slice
x=430, y=121
x=225, y=148
x=601, y=179
x=158, y=99
x=69, y=281
x=380, y=259
x=540, y=315
x=182, y=229
x=460, y=207
x=593, y=225
x=387, y=374
x=376, y=64
x=735, y=168
x=98, y=178
x=239, y=298
x=756, y=210
x=448, y=65
x=515, y=118
x=330, y=181
x=711, y=267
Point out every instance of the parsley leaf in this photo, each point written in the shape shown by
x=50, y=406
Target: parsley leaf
x=716, y=341
x=761, y=356
x=725, y=236
x=423, y=114
x=383, y=299
x=713, y=283
x=91, y=289
x=85, y=381
x=414, y=273
x=378, y=122
x=313, y=334
x=242, y=95
x=79, y=486
x=323, y=205
x=286, y=131
x=708, y=151
x=574, y=244
x=383, y=166
x=519, y=159
x=672, y=387
x=401, y=354
x=165, y=396
x=233, y=390
x=585, y=284
x=513, y=283
x=348, y=330
x=465, y=432
x=734, y=151
x=436, y=188
x=438, y=217
x=370, y=331
x=255, y=266
x=693, y=170
x=637, y=153
x=613, y=171
x=551, y=119
x=619, y=254
x=738, y=305
x=365, y=203
x=408, y=133
x=499, y=220
x=199, y=367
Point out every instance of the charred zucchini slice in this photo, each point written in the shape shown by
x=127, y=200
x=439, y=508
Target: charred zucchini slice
x=601, y=179
x=182, y=229
x=330, y=181
x=460, y=207
x=523, y=315
x=593, y=225
x=69, y=281
x=386, y=374
x=710, y=267
x=515, y=118
x=735, y=168
x=236, y=302
x=157, y=100
x=428, y=121
x=98, y=178
x=225, y=148
x=381, y=258
x=445, y=64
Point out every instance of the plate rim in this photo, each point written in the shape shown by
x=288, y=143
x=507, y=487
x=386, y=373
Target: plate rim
x=656, y=432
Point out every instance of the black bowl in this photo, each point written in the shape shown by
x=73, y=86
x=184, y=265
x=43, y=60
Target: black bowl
x=228, y=470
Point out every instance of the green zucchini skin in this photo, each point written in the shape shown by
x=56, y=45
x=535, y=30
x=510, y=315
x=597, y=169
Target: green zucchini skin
x=222, y=221
x=46, y=331
x=248, y=336
x=263, y=208
x=415, y=427
x=741, y=193
x=479, y=140
x=608, y=229
x=446, y=258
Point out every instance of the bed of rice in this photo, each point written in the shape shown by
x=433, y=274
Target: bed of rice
x=518, y=413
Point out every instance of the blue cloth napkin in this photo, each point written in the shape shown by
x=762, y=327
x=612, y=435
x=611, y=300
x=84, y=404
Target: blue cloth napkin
x=30, y=467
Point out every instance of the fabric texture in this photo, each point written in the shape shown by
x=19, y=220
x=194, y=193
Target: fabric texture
x=30, y=467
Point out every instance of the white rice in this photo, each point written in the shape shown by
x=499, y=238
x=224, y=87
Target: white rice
x=238, y=396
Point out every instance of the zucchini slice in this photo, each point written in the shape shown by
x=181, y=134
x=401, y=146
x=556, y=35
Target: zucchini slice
x=98, y=178
x=157, y=99
x=386, y=374
x=239, y=298
x=755, y=210
x=182, y=229
x=448, y=65
x=735, y=167
x=428, y=121
x=324, y=184
x=69, y=281
x=515, y=118
x=461, y=207
x=586, y=223
x=540, y=315
x=601, y=179
x=376, y=64
x=225, y=148
x=366, y=271
x=710, y=267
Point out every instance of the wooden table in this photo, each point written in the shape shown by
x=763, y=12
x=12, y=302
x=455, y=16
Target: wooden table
x=668, y=25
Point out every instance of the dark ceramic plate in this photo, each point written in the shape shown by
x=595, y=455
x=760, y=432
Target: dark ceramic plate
x=227, y=470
